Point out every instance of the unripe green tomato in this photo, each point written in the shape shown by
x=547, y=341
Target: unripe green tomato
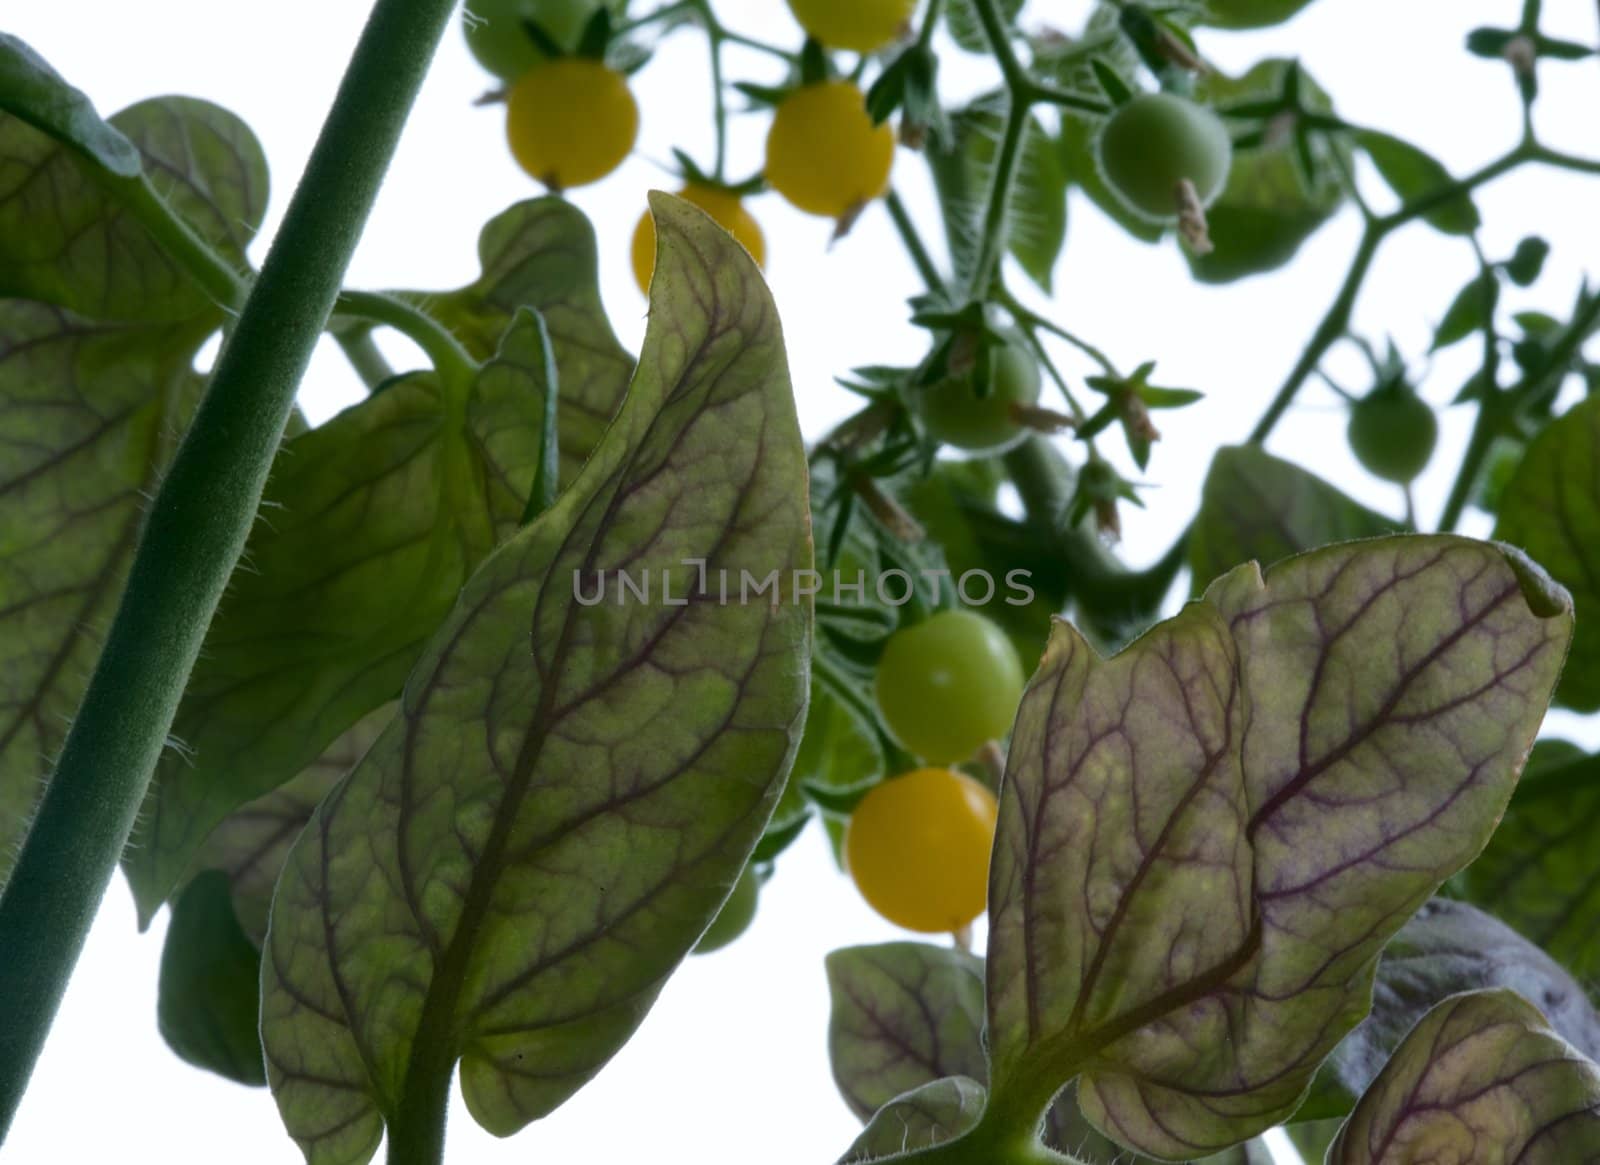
x=955, y=414
x=1153, y=142
x=948, y=685
x=497, y=38
x=1392, y=432
x=735, y=916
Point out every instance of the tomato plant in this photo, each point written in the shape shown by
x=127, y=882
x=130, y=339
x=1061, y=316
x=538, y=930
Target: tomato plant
x=444, y=729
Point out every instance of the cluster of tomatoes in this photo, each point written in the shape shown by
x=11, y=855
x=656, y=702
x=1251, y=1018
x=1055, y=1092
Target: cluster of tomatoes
x=571, y=119
x=917, y=845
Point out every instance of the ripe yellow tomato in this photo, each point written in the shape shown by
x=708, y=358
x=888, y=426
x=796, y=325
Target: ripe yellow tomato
x=917, y=847
x=824, y=154
x=571, y=122
x=862, y=26
x=724, y=208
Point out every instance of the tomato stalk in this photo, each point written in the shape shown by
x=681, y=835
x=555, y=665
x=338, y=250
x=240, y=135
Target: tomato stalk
x=194, y=534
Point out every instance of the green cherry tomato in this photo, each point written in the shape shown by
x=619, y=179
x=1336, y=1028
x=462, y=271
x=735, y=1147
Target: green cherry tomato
x=1156, y=140
x=735, y=916
x=955, y=414
x=947, y=685
x=497, y=38
x=917, y=847
x=1392, y=433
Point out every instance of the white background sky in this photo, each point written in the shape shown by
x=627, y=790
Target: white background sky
x=731, y=1065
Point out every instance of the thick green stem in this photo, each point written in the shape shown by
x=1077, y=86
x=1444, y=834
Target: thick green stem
x=416, y=1127
x=193, y=536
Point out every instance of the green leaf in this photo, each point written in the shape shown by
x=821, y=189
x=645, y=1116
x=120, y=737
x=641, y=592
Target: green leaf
x=376, y=519
x=1447, y=948
x=1540, y=871
x=251, y=843
x=1256, y=507
x=1206, y=840
x=1472, y=310
x=31, y=90
x=540, y=255
x=961, y=18
x=208, y=1002
x=1268, y=209
x=1249, y=13
x=91, y=408
x=65, y=240
x=570, y=791
x=89, y=414
x=1480, y=1079
x=1551, y=508
x=926, y=1116
x=1036, y=222
x=1414, y=175
x=907, y=1014
x=904, y=1014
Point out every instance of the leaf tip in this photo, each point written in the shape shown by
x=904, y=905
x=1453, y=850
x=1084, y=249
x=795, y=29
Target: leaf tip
x=1545, y=597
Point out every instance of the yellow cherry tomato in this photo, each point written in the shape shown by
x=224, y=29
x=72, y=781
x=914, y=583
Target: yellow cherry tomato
x=571, y=122
x=862, y=26
x=724, y=208
x=824, y=154
x=917, y=847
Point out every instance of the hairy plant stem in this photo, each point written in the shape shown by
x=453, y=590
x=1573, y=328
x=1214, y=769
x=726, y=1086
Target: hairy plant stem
x=714, y=38
x=193, y=536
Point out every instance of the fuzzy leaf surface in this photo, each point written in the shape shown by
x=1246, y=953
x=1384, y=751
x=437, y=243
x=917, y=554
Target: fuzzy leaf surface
x=569, y=791
x=1480, y=1081
x=1206, y=840
x=1257, y=507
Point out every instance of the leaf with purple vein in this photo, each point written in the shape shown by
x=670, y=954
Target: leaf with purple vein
x=1482, y=1080
x=570, y=791
x=1206, y=841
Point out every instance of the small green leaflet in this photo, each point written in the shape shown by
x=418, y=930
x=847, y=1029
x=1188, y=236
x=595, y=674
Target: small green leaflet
x=1480, y=1081
x=569, y=790
x=1551, y=508
x=1415, y=176
x=1257, y=507
x=1447, y=948
x=1206, y=840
